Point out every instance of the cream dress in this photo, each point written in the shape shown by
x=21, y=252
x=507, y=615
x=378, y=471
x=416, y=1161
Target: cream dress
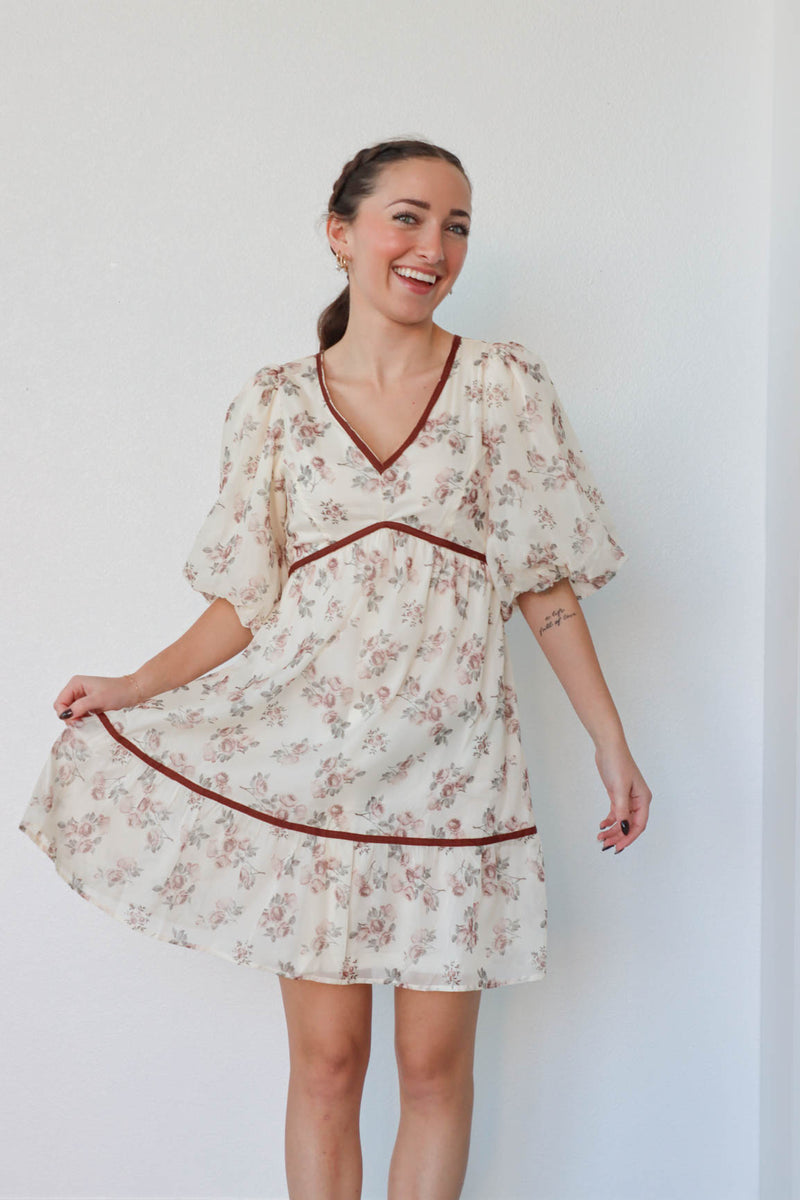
x=347, y=800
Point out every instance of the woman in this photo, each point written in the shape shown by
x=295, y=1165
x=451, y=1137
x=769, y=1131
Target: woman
x=347, y=802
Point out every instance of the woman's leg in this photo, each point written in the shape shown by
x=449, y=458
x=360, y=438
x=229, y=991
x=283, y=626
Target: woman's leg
x=435, y=1046
x=329, y=1028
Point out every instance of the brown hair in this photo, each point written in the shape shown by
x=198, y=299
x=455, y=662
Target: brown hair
x=358, y=179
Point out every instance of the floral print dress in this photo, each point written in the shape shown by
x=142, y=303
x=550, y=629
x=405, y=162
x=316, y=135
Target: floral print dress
x=346, y=800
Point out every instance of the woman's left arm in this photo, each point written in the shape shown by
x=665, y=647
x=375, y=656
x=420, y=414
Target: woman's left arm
x=558, y=624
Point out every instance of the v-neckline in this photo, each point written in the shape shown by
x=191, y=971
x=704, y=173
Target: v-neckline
x=381, y=465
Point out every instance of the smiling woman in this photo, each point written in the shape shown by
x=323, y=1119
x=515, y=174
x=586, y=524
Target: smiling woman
x=398, y=218
x=346, y=802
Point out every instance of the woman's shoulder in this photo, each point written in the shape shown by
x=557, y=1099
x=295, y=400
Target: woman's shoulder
x=508, y=358
x=275, y=375
x=266, y=390
x=262, y=394
x=503, y=350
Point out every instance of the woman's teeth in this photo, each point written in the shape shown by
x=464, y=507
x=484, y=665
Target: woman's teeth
x=420, y=276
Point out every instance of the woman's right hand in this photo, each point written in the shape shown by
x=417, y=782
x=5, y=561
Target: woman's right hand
x=94, y=693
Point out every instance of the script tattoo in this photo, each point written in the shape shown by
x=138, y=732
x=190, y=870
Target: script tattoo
x=554, y=619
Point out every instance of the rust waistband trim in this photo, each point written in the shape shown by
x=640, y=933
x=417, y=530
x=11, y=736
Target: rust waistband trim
x=312, y=829
x=401, y=528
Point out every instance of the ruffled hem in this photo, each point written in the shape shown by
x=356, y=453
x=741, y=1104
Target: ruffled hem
x=175, y=937
x=182, y=868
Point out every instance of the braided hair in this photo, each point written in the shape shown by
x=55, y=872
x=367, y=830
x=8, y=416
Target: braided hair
x=358, y=179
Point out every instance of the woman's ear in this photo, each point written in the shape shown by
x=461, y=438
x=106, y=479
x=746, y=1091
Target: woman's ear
x=337, y=230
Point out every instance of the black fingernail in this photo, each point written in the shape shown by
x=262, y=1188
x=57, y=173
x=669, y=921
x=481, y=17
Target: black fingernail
x=66, y=713
x=608, y=847
x=625, y=827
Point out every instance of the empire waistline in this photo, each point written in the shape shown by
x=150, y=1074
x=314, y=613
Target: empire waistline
x=400, y=527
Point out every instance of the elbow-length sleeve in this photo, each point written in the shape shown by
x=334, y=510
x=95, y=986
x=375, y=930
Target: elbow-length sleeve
x=547, y=520
x=238, y=552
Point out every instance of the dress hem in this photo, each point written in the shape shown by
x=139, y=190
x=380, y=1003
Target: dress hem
x=42, y=842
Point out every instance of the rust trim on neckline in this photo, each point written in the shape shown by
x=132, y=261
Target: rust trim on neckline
x=381, y=466
x=315, y=830
x=401, y=528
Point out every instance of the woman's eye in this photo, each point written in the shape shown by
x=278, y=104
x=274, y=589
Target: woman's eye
x=463, y=230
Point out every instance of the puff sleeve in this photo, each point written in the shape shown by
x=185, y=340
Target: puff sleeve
x=547, y=520
x=238, y=552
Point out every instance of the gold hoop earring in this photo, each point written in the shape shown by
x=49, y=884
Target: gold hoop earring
x=341, y=262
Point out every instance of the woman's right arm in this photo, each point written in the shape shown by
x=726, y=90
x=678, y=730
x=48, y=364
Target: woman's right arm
x=214, y=638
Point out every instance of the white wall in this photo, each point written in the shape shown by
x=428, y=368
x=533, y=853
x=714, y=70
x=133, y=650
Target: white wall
x=780, y=944
x=168, y=162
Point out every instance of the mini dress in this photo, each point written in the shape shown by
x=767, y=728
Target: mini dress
x=347, y=800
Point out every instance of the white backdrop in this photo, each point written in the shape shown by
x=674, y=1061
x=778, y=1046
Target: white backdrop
x=167, y=163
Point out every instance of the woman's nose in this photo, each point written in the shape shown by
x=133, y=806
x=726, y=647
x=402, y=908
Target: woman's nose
x=430, y=244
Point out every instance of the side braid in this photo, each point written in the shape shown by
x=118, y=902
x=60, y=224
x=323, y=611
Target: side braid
x=357, y=163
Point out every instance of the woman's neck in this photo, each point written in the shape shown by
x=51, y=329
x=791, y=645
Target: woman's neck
x=382, y=351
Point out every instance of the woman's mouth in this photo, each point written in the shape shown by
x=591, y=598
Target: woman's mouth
x=419, y=282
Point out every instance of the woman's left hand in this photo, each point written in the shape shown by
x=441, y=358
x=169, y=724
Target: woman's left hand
x=629, y=794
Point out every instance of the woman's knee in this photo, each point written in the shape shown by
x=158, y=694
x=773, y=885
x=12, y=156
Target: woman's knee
x=329, y=1039
x=330, y=1069
x=434, y=1073
x=435, y=1045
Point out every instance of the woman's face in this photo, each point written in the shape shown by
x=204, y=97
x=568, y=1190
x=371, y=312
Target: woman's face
x=417, y=218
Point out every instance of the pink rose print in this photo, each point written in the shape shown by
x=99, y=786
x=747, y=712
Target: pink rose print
x=227, y=742
x=395, y=484
x=305, y=430
x=221, y=557
x=471, y=655
x=432, y=646
x=375, y=741
x=447, y=482
x=82, y=837
x=452, y=974
x=125, y=869
x=287, y=807
x=325, y=934
x=178, y=886
x=333, y=512
x=421, y=941
x=243, y=953
x=334, y=773
x=504, y=932
x=378, y=930
x=137, y=916
x=506, y=709
x=399, y=771
x=466, y=933
x=321, y=873
x=446, y=786
x=230, y=848
x=412, y=612
x=473, y=500
x=349, y=972
x=223, y=913
x=278, y=919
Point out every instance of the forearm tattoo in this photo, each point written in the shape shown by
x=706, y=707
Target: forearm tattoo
x=555, y=618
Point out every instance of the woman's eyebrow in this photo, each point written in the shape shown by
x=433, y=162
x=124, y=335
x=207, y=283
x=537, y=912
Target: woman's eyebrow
x=454, y=212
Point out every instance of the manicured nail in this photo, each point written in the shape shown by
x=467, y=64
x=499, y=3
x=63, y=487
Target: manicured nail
x=608, y=847
x=625, y=827
x=66, y=713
